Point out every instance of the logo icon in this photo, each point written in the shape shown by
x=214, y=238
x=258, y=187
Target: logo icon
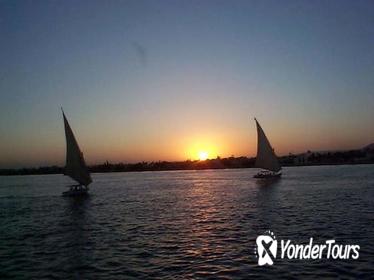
x=266, y=248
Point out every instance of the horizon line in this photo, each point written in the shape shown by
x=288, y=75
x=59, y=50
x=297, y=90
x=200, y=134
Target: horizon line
x=186, y=160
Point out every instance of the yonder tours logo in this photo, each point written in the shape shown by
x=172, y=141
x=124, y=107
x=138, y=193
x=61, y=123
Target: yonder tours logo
x=267, y=246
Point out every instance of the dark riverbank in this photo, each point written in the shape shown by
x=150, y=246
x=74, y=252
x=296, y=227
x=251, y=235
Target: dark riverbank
x=362, y=156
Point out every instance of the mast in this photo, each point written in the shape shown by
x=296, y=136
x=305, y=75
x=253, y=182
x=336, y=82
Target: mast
x=266, y=157
x=76, y=167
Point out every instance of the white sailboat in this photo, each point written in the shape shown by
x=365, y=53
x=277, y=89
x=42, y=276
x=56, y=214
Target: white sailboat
x=266, y=158
x=75, y=165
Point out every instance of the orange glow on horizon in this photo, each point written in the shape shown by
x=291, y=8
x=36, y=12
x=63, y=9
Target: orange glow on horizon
x=201, y=150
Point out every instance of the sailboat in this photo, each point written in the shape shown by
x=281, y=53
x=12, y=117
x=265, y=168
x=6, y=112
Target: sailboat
x=76, y=167
x=266, y=158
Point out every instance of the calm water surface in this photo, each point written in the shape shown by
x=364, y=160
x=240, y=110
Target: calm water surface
x=184, y=224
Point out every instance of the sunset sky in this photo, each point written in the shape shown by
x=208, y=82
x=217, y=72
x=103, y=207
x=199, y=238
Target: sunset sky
x=167, y=80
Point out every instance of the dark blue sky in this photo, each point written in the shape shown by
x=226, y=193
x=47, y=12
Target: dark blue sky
x=147, y=80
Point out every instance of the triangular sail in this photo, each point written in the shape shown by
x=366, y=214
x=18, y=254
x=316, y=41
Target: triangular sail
x=266, y=157
x=75, y=165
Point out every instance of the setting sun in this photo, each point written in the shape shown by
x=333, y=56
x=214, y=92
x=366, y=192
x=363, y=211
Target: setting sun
x=203, y=155
x=200, y=149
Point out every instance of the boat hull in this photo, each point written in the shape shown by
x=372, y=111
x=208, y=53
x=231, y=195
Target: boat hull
x=267, y=175
x=76, y=191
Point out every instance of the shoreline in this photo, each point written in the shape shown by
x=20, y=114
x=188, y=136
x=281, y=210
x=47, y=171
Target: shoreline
x=29, y=171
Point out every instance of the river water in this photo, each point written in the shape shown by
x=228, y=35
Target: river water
x=185, y=224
